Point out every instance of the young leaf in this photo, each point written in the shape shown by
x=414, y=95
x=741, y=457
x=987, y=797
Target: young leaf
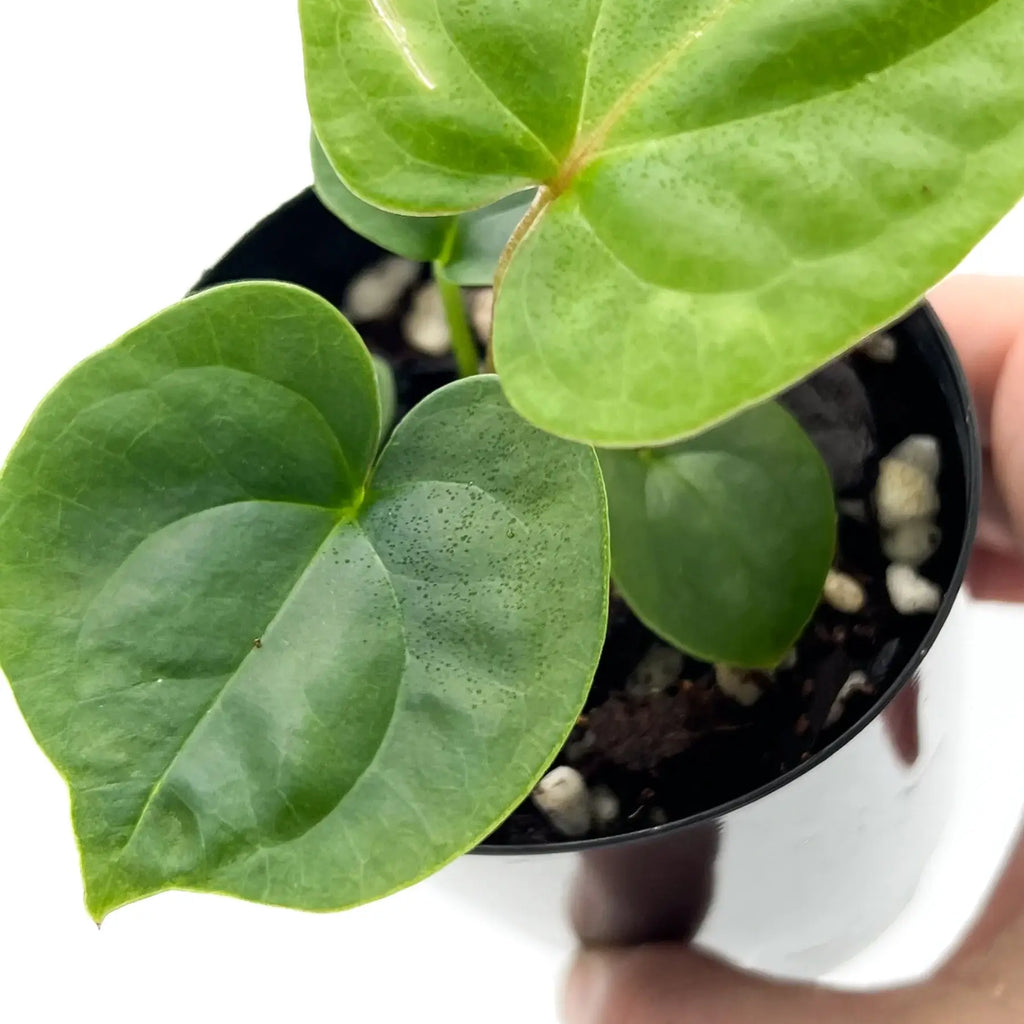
x=387, y=393
x=415, y=238
x=733, y=191
x=721, y=543
x=468, y=245
x=263, y=669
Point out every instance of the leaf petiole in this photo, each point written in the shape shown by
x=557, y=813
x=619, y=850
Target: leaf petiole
x=467, y=355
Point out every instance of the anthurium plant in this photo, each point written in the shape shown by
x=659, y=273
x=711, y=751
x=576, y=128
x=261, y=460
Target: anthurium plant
x=285, y=649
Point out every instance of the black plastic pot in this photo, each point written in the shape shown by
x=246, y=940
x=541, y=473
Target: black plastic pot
x=799, y=875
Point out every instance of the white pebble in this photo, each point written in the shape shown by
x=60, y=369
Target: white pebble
x=481, y=312
x=881, y=347
x=604, y=807
x=844, y=593
x=425, y=326
x=789, y=661
x=910, y=592
x=922, y=451
x=853, y=508
x=562, y=797
x=659, y=668
x=377, y=291
x=578, y=749
x=737, y=684
x=856, y=683
x=904, y=492
x=912, y=543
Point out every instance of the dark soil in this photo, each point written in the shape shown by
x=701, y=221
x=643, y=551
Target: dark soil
x=691, y=748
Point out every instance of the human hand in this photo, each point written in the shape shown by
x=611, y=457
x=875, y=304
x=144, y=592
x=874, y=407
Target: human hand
x=984, y=983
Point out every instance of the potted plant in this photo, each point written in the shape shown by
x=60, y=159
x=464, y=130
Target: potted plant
x=283, y=648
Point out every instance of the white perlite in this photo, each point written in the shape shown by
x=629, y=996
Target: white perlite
x=922, y=451
x=912, y=543
x=789, y=661
x=481, y=312
x=910, y=592
x=604, y=807
x=843, y=592
x=737, y=684
x=880, y=346
x=425, y=326
x=853, y=508
x=578, y=749
x=657, y=816
x=659, y=668
x=377, y=291
x=856, y=683
x=562, y=797
x=904, y=492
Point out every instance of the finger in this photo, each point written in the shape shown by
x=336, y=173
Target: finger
x=984, y=317
x=624, y=895
x=995, y=528
x=671, y=984
x=1004, y=908
x=996, y=576
x=1008, y=436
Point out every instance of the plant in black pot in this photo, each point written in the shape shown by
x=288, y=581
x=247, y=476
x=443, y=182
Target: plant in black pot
x=544, y=562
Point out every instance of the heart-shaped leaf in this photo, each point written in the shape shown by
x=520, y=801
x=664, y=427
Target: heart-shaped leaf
x=721, y=543
x=467, y=245
x=732, y=191
x=263, y=669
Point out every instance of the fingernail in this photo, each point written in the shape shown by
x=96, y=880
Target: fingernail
x=585, y=989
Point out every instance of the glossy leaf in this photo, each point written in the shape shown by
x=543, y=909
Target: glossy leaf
x=468, y=245
x=415, y=238
x=733, y=190
x=387, y=393
x=721, y=543
x=262, y=669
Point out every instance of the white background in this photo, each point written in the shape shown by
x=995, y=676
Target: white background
x=140, y=140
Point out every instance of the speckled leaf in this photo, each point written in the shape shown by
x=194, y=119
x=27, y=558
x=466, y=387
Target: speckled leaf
x=468, y=245
x=721, y=543
x=733, y=190
x=263, y=669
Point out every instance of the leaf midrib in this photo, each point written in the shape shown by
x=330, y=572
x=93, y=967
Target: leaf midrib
x=587, y=147
x=346, y=518
x=590, y=148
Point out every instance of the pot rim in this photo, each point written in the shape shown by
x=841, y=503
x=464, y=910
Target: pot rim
x=945, y=362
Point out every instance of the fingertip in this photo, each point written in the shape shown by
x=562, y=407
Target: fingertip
x=983, y=315
x=995, y=576
x=586, y=988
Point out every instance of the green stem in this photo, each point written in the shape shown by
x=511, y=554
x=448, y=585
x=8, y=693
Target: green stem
x=467, y=355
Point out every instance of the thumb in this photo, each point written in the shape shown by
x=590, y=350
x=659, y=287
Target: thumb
x=672, y=984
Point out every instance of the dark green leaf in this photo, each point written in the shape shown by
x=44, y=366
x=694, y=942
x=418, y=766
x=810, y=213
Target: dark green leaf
x=262, y=670
x=733, y=191
x=480, y=237
x=467, y=245
x=416, y=238
x=721, y=544
x=386, y=391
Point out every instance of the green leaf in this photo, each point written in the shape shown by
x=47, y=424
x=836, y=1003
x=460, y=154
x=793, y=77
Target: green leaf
x=480, y=237
x=263, y=670
x=721, y=544
x=467, y=245
x=387, y=393
x=733, y=191
x=415, y=238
